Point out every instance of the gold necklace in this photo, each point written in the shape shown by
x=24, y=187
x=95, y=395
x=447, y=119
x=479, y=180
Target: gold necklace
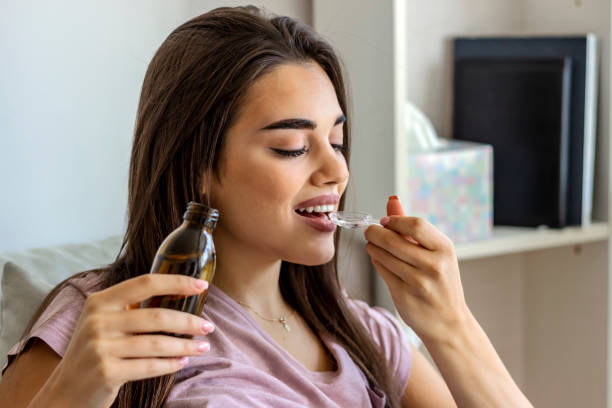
x=282, y=319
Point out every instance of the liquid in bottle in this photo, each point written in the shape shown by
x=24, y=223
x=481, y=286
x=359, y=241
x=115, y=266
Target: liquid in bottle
x=188, y=250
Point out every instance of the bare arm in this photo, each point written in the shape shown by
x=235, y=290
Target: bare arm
x=472, y=369
x=27, y=375
x=425, y=389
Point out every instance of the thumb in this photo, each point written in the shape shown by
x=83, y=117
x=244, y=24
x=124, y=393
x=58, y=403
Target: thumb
x=394, y=207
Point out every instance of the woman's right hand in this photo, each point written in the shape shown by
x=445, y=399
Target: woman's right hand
x=108, y=348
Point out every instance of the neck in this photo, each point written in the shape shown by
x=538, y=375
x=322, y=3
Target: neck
x=251, y=278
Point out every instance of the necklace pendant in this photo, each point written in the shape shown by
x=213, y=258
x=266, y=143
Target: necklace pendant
x=284, y=322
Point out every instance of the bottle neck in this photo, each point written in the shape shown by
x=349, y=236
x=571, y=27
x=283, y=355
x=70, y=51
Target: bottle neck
x=200, y=216
x=210, y=225
x=207, y=225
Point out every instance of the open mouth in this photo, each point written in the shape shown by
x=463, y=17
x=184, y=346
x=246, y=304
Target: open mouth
x=321, y=211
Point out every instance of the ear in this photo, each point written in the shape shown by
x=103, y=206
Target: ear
x=207, y=185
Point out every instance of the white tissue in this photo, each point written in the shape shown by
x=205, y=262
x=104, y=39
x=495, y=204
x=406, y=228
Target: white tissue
x=420, y=133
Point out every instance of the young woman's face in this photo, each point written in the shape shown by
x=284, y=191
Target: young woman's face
x=268, y=170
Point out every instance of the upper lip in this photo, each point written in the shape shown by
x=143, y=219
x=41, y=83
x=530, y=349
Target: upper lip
x=323, y=199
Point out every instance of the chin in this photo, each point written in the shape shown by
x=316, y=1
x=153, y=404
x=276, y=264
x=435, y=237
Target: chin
x=313, y=256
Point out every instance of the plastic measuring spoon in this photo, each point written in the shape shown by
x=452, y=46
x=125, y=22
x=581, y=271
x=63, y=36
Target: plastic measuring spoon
x=352, y=219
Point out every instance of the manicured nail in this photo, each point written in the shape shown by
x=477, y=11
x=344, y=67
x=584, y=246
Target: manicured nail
x=394, y=197
x=384, y=221
x=207, y=327
x=201, y=284
x=183, y=361
x=203, y=346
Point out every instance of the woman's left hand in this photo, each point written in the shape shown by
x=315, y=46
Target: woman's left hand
x=419, y=266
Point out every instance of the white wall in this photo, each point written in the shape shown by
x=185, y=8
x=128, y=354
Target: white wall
x=70, y=79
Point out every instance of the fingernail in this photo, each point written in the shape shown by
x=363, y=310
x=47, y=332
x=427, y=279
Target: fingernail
x=384, y=221
x=183, y=361
x=203, y=346
x=201, y=284
x=394, y=197
x=207, y=327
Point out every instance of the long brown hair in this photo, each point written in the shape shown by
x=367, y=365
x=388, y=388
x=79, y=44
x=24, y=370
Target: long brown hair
x=192, y=91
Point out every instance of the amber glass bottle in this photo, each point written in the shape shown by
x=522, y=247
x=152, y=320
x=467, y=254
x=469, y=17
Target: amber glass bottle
x=188, y=250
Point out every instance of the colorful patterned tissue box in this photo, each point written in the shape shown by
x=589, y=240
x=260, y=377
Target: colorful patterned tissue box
x=452, y=187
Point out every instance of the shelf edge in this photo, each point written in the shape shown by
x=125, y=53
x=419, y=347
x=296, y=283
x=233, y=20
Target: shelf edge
x=527, y=241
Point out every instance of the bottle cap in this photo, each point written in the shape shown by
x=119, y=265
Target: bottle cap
x=201, y=211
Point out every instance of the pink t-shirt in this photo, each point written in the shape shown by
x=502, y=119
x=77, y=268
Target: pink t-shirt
x=245, y=366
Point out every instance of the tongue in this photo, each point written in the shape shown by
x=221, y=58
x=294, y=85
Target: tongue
x=312, y=215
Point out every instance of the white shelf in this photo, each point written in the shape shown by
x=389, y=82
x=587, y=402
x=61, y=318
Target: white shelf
x=508, y=240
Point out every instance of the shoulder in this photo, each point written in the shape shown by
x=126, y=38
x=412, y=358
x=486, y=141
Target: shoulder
x=389, y=334
x=378, y=320
x=69, y=299
x=57, y=321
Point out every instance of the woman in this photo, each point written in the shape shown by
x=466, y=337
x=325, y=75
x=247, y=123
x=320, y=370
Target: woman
x=249, y=114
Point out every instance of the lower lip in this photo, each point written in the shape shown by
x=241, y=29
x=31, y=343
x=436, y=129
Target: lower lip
x=320, y=224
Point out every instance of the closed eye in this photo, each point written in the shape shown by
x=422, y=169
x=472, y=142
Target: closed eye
x=339, y=147
x=291, y=153
x=299, y=152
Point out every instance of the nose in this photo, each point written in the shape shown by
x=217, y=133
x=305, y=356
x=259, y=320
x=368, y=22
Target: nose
x=332, y=168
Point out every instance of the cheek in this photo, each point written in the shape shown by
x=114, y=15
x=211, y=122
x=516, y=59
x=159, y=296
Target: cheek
x=256, y=204
x=257, y=189
x=266, y=183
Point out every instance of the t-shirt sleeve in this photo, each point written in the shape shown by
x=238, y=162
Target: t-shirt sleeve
x=57, y=323
x=389, y=335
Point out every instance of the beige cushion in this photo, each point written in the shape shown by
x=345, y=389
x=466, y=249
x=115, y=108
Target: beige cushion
x=27, y=277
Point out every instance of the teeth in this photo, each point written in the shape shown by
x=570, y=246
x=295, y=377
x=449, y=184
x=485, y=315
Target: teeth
x=318, y=208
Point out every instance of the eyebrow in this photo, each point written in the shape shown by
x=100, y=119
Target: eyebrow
x=297, y=123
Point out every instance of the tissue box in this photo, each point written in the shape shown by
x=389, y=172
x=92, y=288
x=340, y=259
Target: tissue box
x=452, y=187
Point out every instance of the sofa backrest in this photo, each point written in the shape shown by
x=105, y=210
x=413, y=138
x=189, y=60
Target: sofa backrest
x=27, y=277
